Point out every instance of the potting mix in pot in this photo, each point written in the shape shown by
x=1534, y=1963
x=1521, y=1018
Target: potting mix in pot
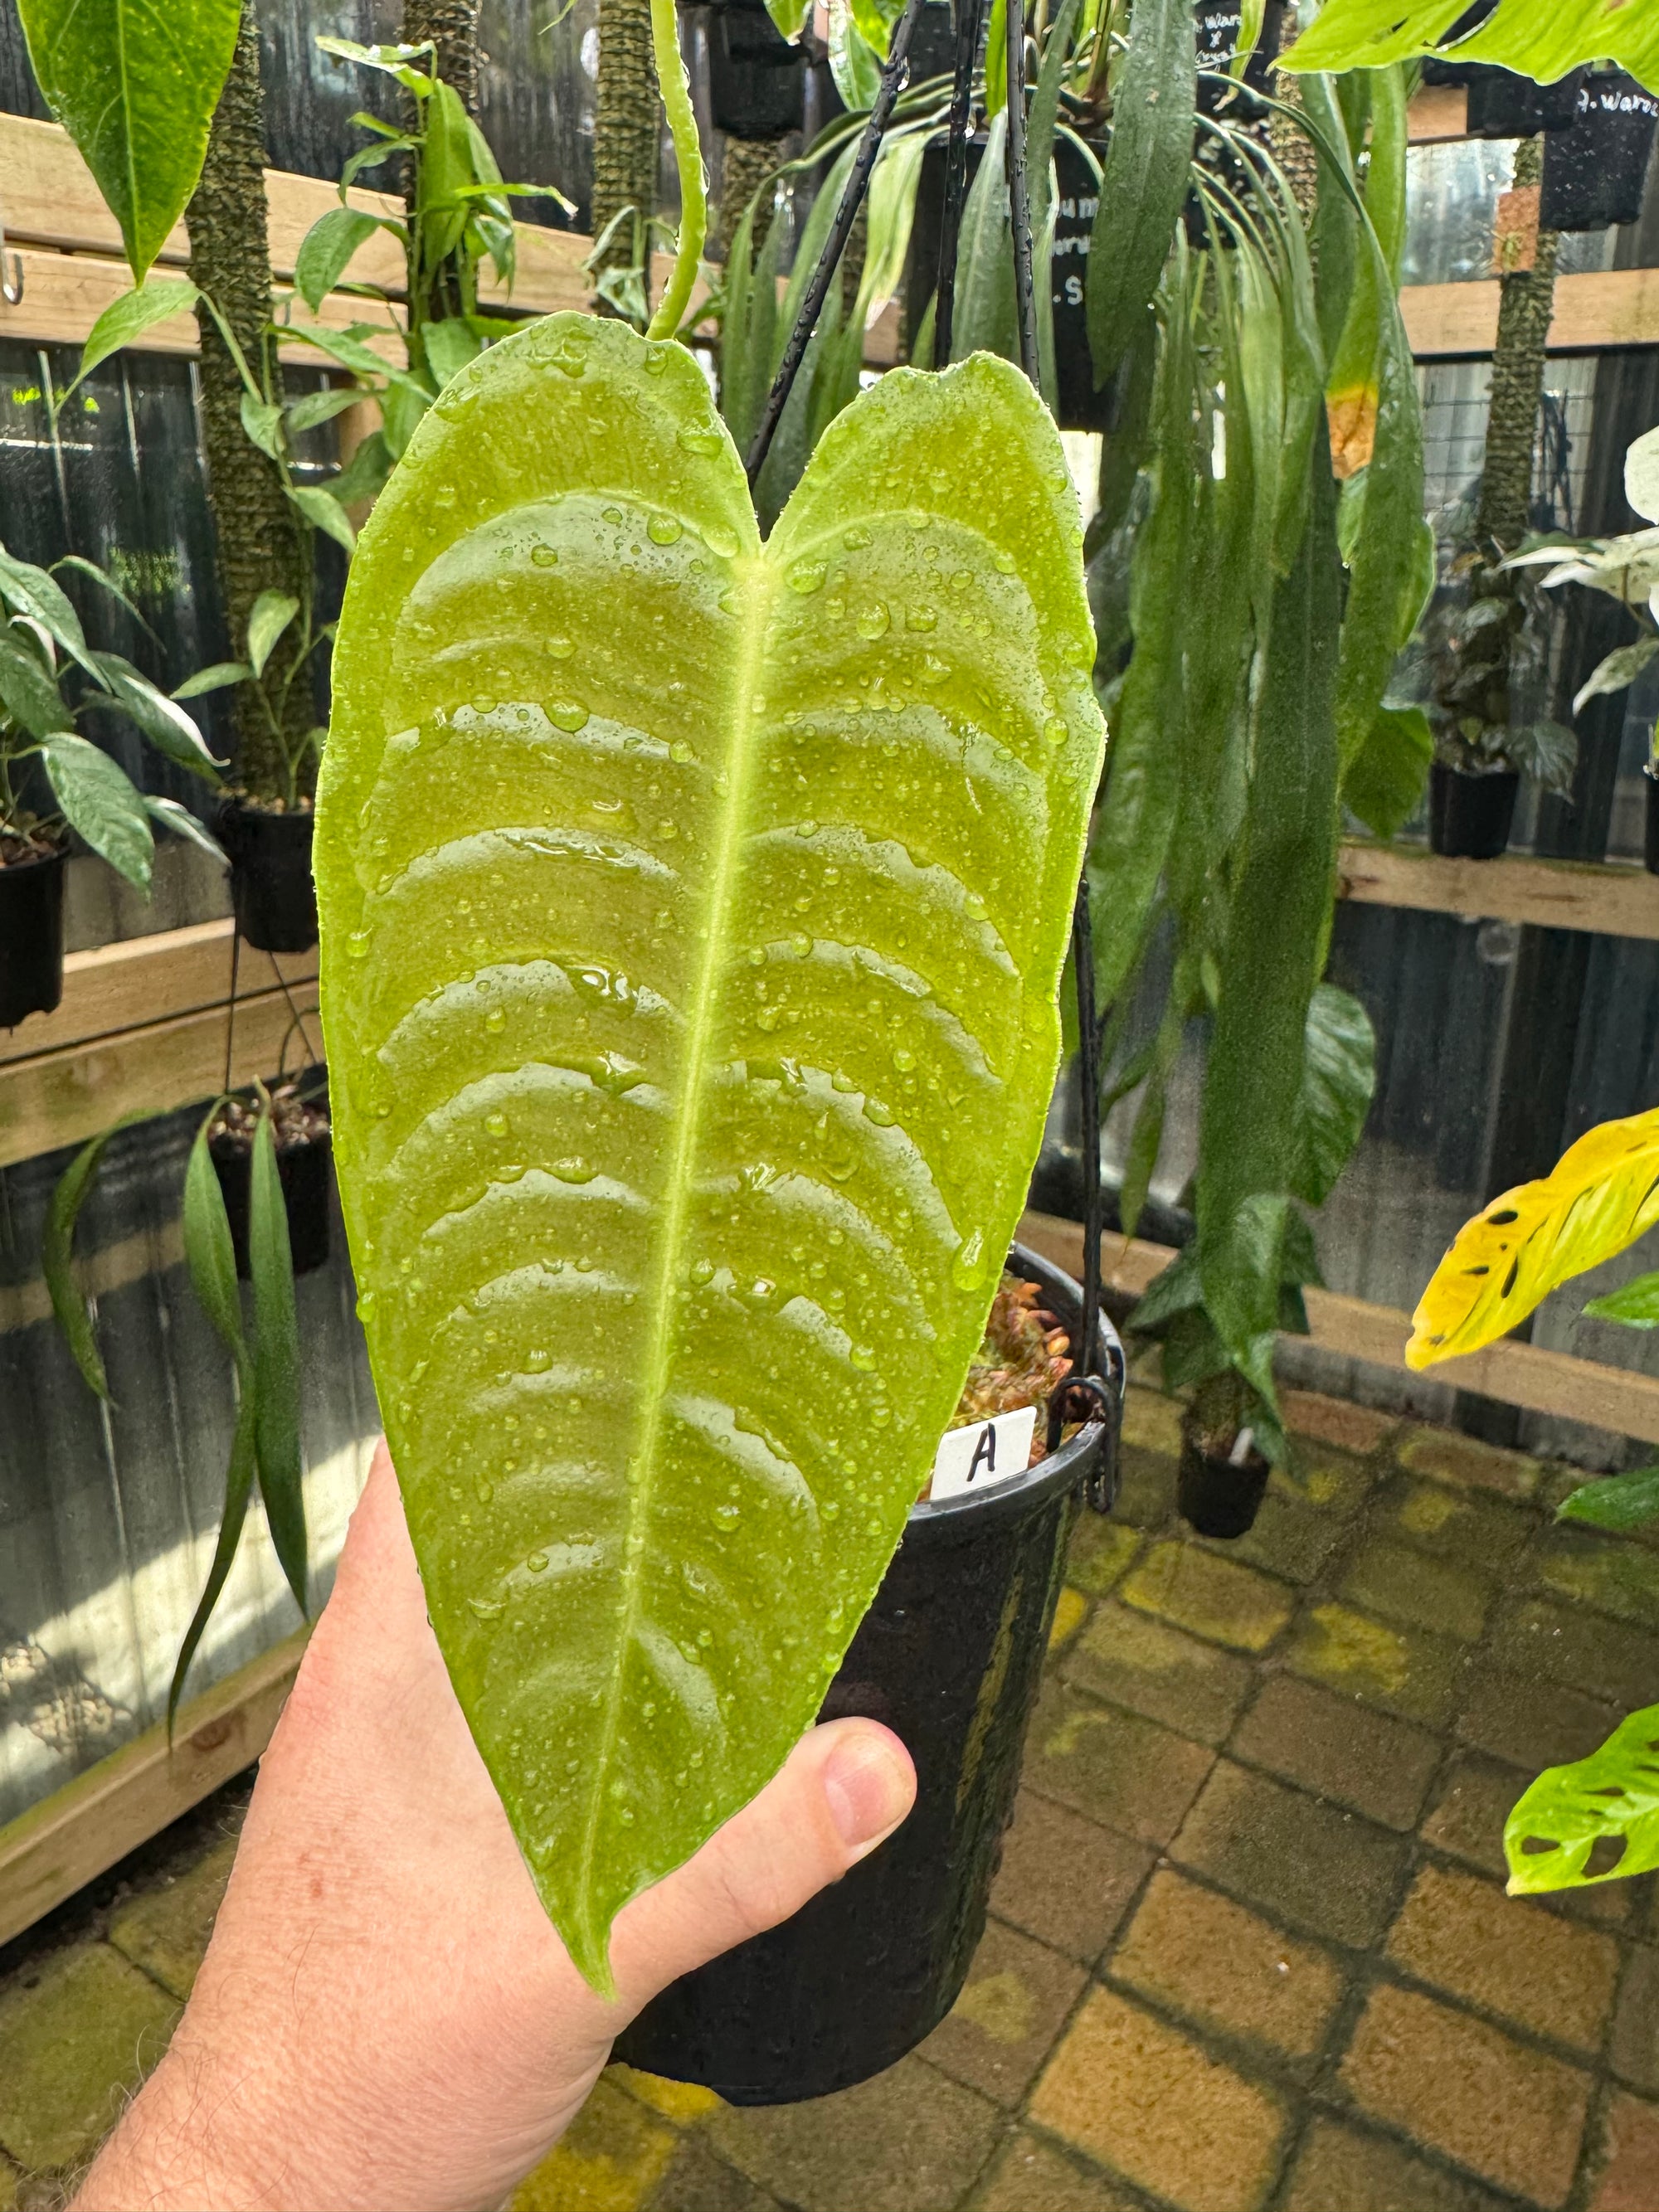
x=693, y=917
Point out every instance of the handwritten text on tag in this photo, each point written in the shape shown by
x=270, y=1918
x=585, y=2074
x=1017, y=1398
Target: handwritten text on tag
x=983, y=1454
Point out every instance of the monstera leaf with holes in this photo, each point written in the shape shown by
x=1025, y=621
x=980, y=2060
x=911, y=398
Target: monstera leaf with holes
x=693, y=913
x=1601, y=1194
x=1610, y=1798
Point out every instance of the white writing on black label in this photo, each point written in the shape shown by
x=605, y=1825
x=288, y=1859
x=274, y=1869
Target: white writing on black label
x=983, y=1454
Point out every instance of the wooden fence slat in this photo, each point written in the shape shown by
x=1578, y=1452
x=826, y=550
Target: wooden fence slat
x=1616, y=1399
x=71, y=1837
x=1607, y=897
x=1617, y=307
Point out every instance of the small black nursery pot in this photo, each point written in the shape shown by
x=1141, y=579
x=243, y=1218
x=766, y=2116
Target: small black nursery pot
x=1470, y=816
x=949, y=1656
x=756, y=79
x=1594, y=172
x=1651, y=820
x=1504, y=105
x=270, y=884
x=31, y=936
x=304, y=1170
x=1217, y=1495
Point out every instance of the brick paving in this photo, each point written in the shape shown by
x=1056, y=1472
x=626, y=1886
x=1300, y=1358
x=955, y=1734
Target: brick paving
x=1250, y=1950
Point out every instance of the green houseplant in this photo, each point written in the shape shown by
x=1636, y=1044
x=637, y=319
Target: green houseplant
x=1597, y=1819
x=54, y=781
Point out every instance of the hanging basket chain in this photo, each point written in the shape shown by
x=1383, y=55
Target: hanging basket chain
x=845, y=214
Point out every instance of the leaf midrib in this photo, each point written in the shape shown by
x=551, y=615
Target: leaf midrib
x=702, y=1010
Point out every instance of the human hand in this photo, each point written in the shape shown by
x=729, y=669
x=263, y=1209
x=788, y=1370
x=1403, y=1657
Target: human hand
x=385, y=2018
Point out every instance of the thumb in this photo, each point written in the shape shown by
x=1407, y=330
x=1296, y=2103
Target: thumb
x=842, y=1791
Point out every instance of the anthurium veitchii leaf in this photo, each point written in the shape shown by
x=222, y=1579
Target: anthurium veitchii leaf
x=1600, y=1195
x=693, y=913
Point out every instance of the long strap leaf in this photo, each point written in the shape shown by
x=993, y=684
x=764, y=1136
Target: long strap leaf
x=276, y=1362
x=57, y=1252
x=239, y=1483
x=1146, y=177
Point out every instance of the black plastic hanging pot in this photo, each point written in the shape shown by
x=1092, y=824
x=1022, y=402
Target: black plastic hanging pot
x=1594, y=172
x=756, y=77
x=1651, y=820
x=1470, y=816
x=1504, y=105
x=933, y=42
x=1216, y=1495
x=304, y=1171
x=31, y=936
x=271, y=883
x=949, y=1656
x=1217, y=23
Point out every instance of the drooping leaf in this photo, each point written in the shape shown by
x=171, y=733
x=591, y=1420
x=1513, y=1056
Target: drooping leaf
x=1611, y=1797
x=161, y=719
x=1544, y=43
x=135, y=86
x=217, y=677
x=239, y=1486
x=183, y=824
x=1617, y=1501
x=326, y=248
x=29, y=689
x=155, y=301
x=1386, y=779
x=1143, y=790
x=276, y=1361
x=325, y=513
x=30, y=591
x=313, y=408
x=58, y=1256
x=269, y=616
x=1601, y=1194
x=1642, y=474
x=1338, y=1076
x=756, y=845
x=364, y=475
x=209, y=1253
x=1636, y=1303
x=262, y=424
x=100, y=803
x=1145, y=177
x=1275, y=931
x=1622, y=667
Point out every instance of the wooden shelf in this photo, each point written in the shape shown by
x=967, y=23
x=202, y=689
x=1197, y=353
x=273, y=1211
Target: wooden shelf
x=67, y=1075
x=1611, y=1398
x=1618, y=307
x=73, y=1836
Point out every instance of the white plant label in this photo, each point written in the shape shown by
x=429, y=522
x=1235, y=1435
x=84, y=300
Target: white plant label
x=983, y=1454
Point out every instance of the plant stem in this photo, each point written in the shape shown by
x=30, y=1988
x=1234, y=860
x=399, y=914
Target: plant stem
x=688, y=158
x=1019, y=213
x=969, y=17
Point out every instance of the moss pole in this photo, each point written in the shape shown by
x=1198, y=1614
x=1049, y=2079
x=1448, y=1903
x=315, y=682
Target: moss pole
x=262, y=544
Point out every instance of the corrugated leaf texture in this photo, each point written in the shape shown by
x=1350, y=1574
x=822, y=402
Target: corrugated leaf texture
x=693, y=915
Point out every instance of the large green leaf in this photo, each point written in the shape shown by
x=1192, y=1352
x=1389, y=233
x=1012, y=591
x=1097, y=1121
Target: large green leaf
x=1612, y=1798
x=134, y=84
x=1536, y=40
x=1147, y=174
x=692, y=916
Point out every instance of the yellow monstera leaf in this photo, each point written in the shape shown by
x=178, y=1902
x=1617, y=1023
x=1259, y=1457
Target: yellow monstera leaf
x=1602, y=1194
